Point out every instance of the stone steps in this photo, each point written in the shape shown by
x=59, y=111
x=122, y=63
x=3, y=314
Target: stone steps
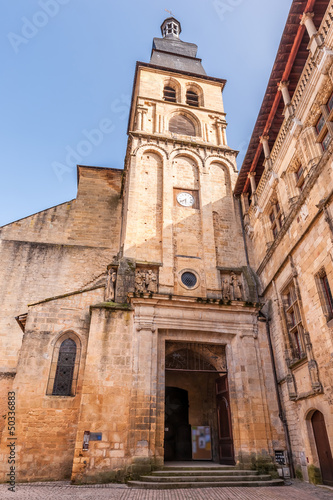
x=205, y=478
x=205, y=472
x=192, y=476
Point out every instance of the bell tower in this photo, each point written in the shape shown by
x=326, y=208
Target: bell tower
x=179, y=212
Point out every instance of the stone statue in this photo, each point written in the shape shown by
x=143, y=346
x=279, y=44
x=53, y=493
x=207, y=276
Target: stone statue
x=140, y=285
x=226, y=290
x=151, y=281
x=110, y=285
x=236, y=286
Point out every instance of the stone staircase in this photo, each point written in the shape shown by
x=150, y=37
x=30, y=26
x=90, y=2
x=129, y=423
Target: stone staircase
x=203, y=476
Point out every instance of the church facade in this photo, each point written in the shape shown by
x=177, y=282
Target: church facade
x=143, y=310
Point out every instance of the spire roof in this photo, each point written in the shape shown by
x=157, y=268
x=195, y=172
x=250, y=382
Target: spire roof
x=172, y=53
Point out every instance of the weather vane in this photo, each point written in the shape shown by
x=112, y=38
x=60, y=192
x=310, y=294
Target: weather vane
x=171, y=13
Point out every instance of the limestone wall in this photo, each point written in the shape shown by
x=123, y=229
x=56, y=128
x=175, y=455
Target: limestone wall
x=46, y=425
x=57, y=251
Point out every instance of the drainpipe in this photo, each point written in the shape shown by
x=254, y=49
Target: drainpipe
x=282, y=417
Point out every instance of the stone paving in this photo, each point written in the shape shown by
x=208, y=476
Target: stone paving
x=65, y=491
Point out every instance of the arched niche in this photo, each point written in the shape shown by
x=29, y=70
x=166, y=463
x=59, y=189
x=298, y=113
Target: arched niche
x=149, y=196
x=185, y=172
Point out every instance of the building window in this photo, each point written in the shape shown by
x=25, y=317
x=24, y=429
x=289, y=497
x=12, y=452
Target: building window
x=300, y=179
x=294, y=320
x=65, y=366
x=275, y=218
x=169, y=94
x=192, y=98
x=330, y=103
x=325, y=294
x=65, y=369
x=323, y=124
x=325, y=142
x=320, y=124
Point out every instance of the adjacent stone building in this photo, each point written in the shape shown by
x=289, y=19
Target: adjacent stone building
x=286, y=189
x=160, y=298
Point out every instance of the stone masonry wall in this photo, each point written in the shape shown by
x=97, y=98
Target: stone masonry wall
x=46, y=424
x=57, y=251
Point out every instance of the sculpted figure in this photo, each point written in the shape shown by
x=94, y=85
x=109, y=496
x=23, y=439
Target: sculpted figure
x=151, y=281
x=226, y=289
x=140, y=282
x=237, y=287
x=110, y=285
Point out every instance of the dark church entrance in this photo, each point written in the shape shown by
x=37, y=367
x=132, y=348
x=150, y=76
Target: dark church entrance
x=197, y=410
x=177, y=432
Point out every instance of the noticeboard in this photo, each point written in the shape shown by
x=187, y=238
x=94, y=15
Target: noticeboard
x=201, y=443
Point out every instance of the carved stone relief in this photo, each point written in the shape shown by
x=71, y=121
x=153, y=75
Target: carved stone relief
x=145, y=281
x=232, y=286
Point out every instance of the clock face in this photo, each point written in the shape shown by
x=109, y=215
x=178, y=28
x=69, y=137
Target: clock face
x=185, y=199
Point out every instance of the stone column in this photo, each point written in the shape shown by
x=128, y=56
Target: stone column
x=288, y=110
x=264, y=141
x=283, y=88
x=218, y=125
x=141, y=112
x=307, y=21
x=316, y=40
x=251, y=176
x=224, y=134
x=139, y=119
x=267, y=152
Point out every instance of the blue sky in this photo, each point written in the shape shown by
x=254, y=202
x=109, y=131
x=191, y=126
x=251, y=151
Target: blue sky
x=68, y=67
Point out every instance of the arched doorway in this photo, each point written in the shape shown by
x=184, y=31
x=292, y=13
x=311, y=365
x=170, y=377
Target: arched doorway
x=323, y=447
x=197, y=409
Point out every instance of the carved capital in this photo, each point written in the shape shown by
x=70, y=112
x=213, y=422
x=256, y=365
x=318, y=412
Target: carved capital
x=305, y=17
x=283, y=85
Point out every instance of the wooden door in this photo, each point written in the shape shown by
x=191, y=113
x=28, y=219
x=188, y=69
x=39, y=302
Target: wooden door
x=225, y=441
x=323, y=447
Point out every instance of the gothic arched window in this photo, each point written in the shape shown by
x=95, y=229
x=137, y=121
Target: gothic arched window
x=65, y=369
x=192, y=98
x=169, y=94
x=64, y=366
x=182, y=125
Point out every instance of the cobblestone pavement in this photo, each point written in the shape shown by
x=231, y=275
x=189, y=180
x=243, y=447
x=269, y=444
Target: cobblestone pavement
x=65, y=491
